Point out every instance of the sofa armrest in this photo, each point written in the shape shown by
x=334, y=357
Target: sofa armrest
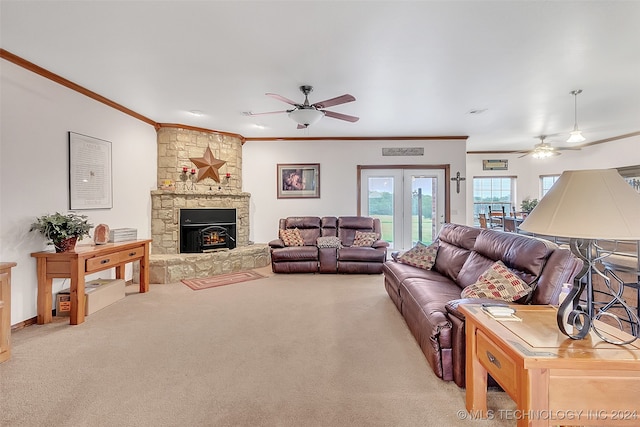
x=452, y=306
x=379, y=244
x=276, y=243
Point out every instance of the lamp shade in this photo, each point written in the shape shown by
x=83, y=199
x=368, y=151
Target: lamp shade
x=306, y=116
x=588, y=204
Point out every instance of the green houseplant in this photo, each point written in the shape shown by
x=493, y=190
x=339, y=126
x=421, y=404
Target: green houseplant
x=62, y=230
x=527, y=205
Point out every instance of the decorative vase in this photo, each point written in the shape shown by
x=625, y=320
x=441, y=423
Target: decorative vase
x=66, y=245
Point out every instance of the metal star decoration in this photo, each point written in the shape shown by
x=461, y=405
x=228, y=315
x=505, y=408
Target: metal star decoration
x=208, y=166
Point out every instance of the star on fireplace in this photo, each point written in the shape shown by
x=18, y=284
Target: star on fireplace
x=208, y=166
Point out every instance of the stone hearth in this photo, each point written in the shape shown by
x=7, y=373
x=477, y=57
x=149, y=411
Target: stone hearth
x=172, y=268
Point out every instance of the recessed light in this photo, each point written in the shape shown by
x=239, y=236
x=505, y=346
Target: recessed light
x=196, y=113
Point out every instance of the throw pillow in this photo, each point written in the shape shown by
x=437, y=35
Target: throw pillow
x=498, y=282
x=328, y=242
x=365, y=238
x=421, y=256
x=291, y=237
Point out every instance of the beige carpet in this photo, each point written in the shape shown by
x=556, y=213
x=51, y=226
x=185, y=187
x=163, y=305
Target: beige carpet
x=222, y=279
x=288, y=350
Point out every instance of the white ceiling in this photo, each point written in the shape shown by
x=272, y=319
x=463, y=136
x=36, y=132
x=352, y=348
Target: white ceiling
x=416, y=68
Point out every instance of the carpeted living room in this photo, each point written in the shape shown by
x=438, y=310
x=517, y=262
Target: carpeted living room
x=282, y=350
x=312, y=213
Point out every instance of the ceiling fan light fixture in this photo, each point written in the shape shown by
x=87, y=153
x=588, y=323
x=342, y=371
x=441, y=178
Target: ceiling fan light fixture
x=576, y=134
x=542, y=154
x=306, y=116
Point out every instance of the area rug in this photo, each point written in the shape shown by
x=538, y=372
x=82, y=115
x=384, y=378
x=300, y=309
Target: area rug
x=221, y=280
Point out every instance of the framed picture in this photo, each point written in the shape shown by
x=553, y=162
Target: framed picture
x=298, y=181
x=89, y=173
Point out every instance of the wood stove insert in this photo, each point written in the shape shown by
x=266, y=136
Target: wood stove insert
x=204, y=230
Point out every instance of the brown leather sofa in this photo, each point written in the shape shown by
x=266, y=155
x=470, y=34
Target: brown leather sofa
x=313, y=259
x=428, y=299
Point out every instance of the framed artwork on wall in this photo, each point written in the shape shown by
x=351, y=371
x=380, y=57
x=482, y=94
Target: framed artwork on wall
x=89, y=173
x=298, y=181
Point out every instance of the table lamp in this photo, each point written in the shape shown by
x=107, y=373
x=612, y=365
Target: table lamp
x=585, y=206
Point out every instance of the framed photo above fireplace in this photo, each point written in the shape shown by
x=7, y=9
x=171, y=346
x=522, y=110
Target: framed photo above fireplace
x=298, y=181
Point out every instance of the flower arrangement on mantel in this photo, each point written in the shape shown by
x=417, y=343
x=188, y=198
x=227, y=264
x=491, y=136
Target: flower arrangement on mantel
x=62, y=230
x=527, y=205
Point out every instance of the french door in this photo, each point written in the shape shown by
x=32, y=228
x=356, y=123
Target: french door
x=409, y=202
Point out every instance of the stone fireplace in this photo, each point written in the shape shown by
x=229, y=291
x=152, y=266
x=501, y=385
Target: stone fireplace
x=176, y=145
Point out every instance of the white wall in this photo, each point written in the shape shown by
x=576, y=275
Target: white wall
x=338, y=171
x=624, y=152
x=36, y=115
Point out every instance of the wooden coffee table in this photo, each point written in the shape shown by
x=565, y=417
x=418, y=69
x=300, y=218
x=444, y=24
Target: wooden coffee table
x=553, y=379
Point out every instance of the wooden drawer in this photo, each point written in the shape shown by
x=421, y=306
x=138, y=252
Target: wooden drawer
x=131, y=254
x=500, y=366
x=101, y=262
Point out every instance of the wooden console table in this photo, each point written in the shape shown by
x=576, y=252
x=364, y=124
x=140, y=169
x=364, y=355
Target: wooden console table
x=553, y=379
x=85, y=260
x=5, y=310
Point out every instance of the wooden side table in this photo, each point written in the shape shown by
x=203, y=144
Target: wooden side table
x=5, y=310
x=553, y=379
x=85, y=260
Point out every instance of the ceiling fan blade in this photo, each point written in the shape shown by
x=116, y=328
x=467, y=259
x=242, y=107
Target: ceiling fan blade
x=341, y=116
x=334, y=101
x=569, y=148
x=282, y=98
x=249, y=113
x=525, y=154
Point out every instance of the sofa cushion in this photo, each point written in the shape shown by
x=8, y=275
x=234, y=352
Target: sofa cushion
x=364, y=238
x=328, y=242
x=295, y=254
x=349, y=225
x=497, y=282
x=361, y=254
x=421, y=256
x=455, y=243
x=291, y=237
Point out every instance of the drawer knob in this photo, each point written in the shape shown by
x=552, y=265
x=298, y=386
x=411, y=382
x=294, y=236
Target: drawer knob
x=105, y=261
x=132, y=253
x=493, y=359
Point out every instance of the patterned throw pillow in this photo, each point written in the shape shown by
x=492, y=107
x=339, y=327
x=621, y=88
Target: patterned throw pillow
x=421, y=256
x=363, y=238
x=498, y=282
x=329, y=242
x=291, y=237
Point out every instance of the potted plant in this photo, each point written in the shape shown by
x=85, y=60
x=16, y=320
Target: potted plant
x=527, y=205
x=62, y=230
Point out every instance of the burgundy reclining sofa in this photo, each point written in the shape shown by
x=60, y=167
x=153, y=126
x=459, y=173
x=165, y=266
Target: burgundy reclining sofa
x=428, y=299
x=342, y=258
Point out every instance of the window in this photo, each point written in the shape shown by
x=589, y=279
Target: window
x=493, y=192
x=546, y=182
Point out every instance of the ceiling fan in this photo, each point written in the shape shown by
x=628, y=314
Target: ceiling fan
x=543, y=150
x=306, y=114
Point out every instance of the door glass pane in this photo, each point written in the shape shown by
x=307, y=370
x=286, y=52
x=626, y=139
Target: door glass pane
x=380, y=202
x=423, y=192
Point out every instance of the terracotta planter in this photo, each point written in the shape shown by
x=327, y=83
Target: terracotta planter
x=66, y=245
